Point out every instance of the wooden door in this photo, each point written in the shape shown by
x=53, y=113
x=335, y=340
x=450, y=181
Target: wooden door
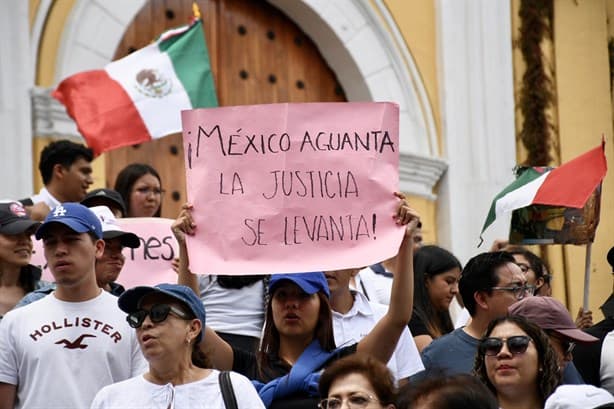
x=257, y=55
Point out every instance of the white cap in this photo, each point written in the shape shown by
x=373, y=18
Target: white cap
x=578, y=397
x=111, y=229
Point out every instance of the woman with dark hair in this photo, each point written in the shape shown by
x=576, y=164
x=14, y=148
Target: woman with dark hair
x=436, y=275
x=460, y=391
x=516, y=362
x=360, y=380
x=298, y=340
x=169, y=321
x=17, y=276
x=141, y=189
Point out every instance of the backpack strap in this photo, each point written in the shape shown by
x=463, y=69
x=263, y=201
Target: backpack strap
x=228, y=393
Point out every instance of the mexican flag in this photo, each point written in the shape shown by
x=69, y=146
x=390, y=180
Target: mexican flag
x=569, y=185
x=140, y=97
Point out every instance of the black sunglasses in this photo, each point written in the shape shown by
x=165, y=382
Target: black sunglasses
x=516, y=345
x=157, y=313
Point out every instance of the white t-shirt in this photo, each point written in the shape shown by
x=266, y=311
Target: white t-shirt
x=45, y=196
x=59, y=354
x=138, y=393
x=362, y=317
x=376, y=287
x=606, y=371
x=233, y=311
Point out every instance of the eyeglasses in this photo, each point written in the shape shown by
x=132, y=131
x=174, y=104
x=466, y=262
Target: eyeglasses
x=354, y=401
x=157, y=313
x=519, y=291
x=147, y=190
x=515, y=345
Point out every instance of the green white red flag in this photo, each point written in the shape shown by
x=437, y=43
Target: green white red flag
x=140, y=97
x=569, y=185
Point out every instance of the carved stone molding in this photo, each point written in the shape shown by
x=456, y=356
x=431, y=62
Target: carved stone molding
x=49, y=118
x=419, y=174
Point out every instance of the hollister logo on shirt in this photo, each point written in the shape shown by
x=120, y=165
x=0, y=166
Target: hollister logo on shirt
x=76, y=344
x=83, y=322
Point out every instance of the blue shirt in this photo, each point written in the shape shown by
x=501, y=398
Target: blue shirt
x=451, y=353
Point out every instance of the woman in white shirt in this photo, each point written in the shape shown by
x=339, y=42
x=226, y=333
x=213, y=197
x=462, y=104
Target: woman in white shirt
x=169, y=321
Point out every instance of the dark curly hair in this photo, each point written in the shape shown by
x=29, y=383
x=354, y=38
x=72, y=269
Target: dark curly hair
x=549, y=375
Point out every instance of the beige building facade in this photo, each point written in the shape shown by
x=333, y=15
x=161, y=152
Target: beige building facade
x=454, y=67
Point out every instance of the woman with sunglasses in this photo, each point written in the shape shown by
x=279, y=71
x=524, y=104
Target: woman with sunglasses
x=357, y=382
x=169, y=321
x=298, y=339
x=516, y=362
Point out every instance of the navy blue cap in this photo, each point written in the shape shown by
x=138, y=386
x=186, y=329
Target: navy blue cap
x=129, y=301
x=73, y=215
x=311, y=283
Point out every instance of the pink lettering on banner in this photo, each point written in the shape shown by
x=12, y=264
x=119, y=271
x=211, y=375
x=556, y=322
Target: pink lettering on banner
x=149, y=264
x=292, y=187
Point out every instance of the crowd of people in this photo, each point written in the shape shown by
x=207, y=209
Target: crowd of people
x=379, y=336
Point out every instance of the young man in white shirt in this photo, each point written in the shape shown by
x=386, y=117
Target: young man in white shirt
x=77, y=335
x=66, y=170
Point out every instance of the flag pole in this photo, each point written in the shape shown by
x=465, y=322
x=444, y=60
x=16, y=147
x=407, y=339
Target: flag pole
x=587, y=275
x=196, y=11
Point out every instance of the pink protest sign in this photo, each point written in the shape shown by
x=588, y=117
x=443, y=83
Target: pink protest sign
x=149, y=264
x=292, y=187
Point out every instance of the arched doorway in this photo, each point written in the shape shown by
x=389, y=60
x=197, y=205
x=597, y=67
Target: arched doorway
x=257, y=56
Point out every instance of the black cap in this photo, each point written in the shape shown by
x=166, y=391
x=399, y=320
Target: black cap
x=105, y=197
x=14, y=219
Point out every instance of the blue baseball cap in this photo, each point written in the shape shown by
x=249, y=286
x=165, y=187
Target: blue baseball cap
x=311, y=283
x=73, y=215
x=129, y=301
